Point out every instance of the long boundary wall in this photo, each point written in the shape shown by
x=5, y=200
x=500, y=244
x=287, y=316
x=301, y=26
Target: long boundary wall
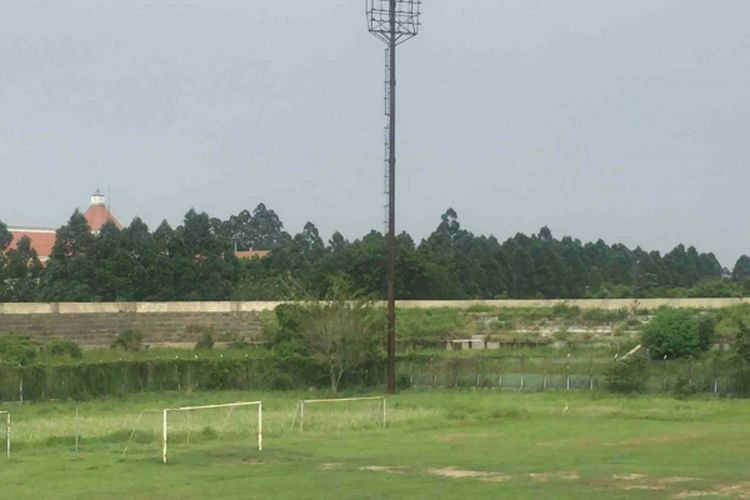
x=63, y=308
x=181, y=323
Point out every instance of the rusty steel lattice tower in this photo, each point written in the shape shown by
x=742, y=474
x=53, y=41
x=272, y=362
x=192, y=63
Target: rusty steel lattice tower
x=393, y=22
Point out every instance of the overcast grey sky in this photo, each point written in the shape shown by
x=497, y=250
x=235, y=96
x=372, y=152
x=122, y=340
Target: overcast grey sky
x=625, y=120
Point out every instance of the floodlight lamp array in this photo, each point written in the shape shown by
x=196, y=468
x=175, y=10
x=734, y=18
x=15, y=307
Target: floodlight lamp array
x=407, y=19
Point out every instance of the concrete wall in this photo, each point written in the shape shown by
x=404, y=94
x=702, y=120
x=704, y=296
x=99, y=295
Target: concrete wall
x=66, y=308
x=98, y=324
x=89, y=327
x=610, y=304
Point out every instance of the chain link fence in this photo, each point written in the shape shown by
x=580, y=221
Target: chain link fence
x=519, y=373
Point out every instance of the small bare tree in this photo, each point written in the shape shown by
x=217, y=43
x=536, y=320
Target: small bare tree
x=342, y=333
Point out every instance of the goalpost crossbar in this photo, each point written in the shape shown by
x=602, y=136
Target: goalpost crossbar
x=343, y=400
x=7, y=432
x=165, y=420
x=208, y=407
x=303, y=402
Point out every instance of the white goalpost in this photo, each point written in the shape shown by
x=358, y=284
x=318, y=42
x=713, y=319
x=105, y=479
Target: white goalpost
x=300, y=413
x=7, y=432
x=189, y=409
x=202, y=423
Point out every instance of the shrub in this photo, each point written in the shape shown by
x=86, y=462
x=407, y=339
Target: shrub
x=599, y=316
x=627, y=375
x=684, y=388
x=17, y=349
x=65, y=348
x=205, y=341
x=564, y=311
x=741, y=344
x=128, y=340
x=677, y=333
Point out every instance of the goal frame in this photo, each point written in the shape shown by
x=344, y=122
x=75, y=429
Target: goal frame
x=303, y=402
x=7, y=432
x=165, y=421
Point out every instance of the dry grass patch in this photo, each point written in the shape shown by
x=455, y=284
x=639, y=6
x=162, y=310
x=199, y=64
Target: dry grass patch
x=737, y=490
x=555, y=476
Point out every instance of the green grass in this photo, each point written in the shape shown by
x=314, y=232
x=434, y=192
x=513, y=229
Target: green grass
x=439, y=444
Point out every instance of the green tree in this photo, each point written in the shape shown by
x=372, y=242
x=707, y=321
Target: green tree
x=20, y=280
x=343, y=333
x=71, y=271
x=5, y=237
x=741, y=271
x=677, y=333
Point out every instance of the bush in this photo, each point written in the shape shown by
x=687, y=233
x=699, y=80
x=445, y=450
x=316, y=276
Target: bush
x=678, y=333
x=627, y=375
x=684, y=388
x=564, y=311
x=129, y=340
x=601, y=316
x=205, y=341
x=64, y=348
x=17, y=349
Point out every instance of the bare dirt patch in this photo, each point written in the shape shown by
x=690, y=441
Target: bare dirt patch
x=645, y=441
x=399, y=469
x=644, y=487
x=643, y=482
x=571, y=475
x=331, y=466
x=455, y=473
x=737, y=490
x=629, y=477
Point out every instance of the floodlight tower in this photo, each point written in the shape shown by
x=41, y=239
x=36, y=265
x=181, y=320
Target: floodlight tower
x=394, y=22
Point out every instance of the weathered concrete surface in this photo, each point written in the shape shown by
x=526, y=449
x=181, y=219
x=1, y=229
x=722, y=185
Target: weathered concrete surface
x=97, y=329
x=241, y=307
x=98, y=324
x=609, y=304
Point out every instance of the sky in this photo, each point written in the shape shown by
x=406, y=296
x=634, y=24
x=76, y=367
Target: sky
x=621, y=120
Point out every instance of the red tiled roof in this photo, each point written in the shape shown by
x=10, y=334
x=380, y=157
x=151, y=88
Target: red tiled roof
x=98, y=215
x=42, y=240
x=251, y=254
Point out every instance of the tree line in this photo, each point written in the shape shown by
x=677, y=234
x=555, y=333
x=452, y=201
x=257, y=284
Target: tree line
x=196, y=261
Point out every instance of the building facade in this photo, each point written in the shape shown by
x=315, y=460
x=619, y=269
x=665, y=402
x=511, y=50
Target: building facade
x=43, y=239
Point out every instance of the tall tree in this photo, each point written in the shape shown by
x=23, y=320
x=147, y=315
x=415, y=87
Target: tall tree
x=741, y=271
x=71, y=271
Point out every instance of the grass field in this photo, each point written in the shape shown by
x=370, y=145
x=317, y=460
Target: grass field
x=439, y=444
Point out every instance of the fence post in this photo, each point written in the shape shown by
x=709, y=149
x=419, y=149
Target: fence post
x=567, y=373
x=77, y=430
x=20, y=384
x=716, y=377
x=591, y=373
x=164, y=437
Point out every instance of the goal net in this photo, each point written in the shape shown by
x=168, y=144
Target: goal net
x=198, y=427
x=340, y=413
